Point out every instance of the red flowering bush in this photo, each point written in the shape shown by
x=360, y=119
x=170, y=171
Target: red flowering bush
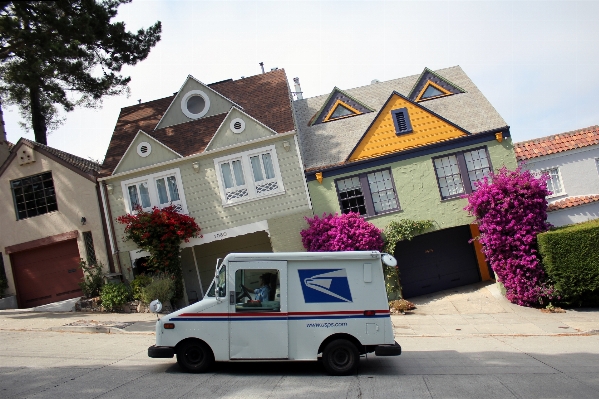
x=511, y=209
x=161, y=232
x=347, y=232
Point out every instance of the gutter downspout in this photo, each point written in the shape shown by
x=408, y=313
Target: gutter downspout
x=111, y=233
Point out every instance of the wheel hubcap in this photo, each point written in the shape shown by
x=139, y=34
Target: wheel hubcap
x=341, y=358
x=194, y=355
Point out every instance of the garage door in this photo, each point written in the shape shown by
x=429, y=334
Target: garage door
x=437, y=261
x=47, y=274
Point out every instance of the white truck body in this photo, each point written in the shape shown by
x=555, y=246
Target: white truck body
x=318, y=297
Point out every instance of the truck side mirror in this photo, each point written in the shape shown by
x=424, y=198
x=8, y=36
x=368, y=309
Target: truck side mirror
x=389, y=260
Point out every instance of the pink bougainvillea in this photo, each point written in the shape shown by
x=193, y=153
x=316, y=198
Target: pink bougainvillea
x=348, y=232
x=511, y=209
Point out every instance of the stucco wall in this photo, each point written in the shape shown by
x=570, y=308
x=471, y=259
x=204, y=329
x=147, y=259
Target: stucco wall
x=577, y=168
x=285, y=232
x=572, y=215
x=202, y=192
x=417, y=189
x=76, y=197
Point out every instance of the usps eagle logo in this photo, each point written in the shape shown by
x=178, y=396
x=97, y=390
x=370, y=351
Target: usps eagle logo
x=325, y=285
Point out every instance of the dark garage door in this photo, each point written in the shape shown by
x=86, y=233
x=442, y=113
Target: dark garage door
x=47, y=274
x=437, y=261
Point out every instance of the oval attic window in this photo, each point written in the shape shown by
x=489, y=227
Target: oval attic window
x=144, y=149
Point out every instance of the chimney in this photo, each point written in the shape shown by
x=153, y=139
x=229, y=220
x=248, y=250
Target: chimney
x=262, y=66
x=298, y=89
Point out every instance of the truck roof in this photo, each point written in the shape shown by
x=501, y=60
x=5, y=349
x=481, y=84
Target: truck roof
x=246, y=257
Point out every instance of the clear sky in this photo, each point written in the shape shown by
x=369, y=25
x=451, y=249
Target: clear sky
x=536, y=61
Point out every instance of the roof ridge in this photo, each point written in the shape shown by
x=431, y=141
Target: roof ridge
x=85, y=165
x=544, y=138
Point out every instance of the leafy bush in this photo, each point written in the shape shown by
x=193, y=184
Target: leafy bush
x=93, y=278
x=347, y=232
x=161, y=232
x=511, y=209
x=162, y=287
x=137, y=285
x=114, y=296
x=571, y=258
x=394, y=232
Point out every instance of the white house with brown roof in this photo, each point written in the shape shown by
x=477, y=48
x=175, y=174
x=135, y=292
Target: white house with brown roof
x=50, y=219
x=224, y=153
x=571, y=160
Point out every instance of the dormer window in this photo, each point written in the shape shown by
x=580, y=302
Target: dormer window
x=431, y=91
x=340, y=111
x=195, y=104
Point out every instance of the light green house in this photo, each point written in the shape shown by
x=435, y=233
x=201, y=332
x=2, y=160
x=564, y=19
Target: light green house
x=226, y=154
x=408, y=148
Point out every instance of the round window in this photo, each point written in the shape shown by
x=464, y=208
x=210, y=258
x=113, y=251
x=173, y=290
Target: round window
x=144, y=149
x=195, y=104
x=237, y=125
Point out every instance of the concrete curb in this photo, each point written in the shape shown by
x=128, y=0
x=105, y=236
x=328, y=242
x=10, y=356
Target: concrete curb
x=93, y=330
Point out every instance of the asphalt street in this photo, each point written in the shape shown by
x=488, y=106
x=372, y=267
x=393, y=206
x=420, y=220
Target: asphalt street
x=47, y=364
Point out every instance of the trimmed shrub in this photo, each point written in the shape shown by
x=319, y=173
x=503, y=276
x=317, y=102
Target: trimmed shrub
x=570, y=255
x=114, y=296
x=161, y=287
x=347, y=232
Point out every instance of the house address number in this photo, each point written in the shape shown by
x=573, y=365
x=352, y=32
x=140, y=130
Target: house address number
x=220, y=235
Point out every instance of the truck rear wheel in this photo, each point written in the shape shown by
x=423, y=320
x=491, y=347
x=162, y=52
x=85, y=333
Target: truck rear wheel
x=194, y=356
x=340, y=357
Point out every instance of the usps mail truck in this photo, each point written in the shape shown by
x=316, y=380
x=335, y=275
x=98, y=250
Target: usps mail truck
x=288, y=306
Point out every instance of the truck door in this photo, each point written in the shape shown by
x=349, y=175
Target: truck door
x=258, y=310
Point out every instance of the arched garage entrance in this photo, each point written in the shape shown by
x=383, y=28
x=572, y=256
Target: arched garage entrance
x=437, y=261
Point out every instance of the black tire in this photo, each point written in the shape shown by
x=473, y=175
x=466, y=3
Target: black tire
x=340, y=357
x=194, y=356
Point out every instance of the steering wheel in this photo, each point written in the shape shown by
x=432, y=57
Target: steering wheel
x=245, y=293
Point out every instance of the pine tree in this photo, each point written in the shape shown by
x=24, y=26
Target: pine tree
x=66, y=53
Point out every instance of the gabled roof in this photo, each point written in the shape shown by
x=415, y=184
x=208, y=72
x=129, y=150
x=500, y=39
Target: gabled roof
x=329, y=144
x=80, y=165
x=572, y=202
x=338, y=95
x=430, y=77
x=265, y=97
x=557, y=143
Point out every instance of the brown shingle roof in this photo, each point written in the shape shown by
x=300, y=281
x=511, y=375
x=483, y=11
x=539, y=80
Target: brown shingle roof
x=265, y=97
x=557, y=143
x=571, y=202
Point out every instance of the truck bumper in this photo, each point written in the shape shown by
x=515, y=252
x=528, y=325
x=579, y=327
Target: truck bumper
x=388, y=350
x=161, y=352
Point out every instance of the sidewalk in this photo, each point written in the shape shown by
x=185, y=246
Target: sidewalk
x=480, y=309
x=477, y=309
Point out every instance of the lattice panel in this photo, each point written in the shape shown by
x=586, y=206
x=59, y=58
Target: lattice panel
x=266, y=187
x=237, y=194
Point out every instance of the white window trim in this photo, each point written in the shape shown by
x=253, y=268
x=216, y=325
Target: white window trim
x=248, y=175
x=151, y=179
x=561, y=181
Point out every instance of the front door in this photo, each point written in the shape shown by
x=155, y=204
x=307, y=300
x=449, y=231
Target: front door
x=258, y=310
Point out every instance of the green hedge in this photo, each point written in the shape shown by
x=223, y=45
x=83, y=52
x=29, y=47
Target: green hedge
x=570, y=255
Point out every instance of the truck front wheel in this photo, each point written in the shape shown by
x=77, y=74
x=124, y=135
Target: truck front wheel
x=340, y=357
x=194, y=356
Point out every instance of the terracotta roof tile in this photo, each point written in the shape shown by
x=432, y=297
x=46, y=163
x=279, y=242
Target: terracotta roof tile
x=85, y=165
x=571, y=202
x=557, y=143
x=265, y=97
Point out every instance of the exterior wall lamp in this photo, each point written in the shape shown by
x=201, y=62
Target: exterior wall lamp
x=196, y=167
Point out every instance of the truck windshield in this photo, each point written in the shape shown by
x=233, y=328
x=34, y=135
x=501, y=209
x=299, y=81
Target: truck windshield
x=222, y=283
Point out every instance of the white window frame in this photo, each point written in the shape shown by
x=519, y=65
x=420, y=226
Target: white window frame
x=248, y=175
x=153, y=191
x=561, y=181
